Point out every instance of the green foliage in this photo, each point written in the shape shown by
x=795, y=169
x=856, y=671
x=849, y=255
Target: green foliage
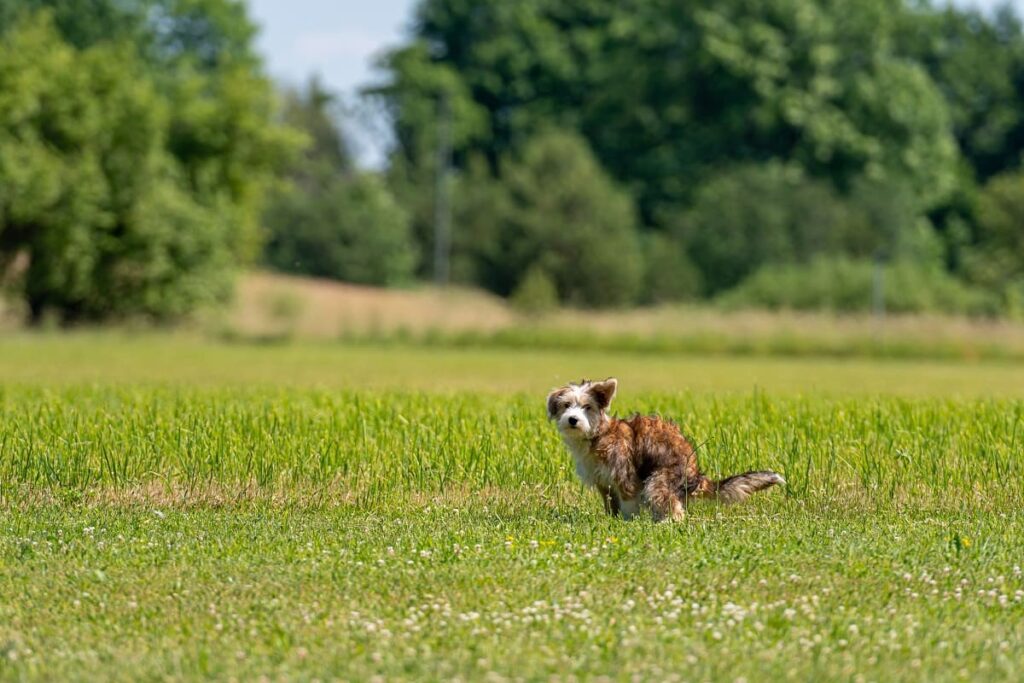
x=976, y=59
x=399, y=534
x=996, y=260
x=313, y=111
x=550, y=209
x=536, y=293
x=699, y=143
x=670, y=274
x=566, y=217
x=844, y=285
x=328, y=220
x=748, y=134
x=753, y=215
x=127, y=192
x=81, y=26
x=204, y=33
x=666, y=92
x=1001, y=223
x=345, y=227
x=89, y=194
x=423, y=92
x=480, y=204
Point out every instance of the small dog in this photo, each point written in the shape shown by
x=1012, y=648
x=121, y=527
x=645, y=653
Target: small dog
x=639, y=461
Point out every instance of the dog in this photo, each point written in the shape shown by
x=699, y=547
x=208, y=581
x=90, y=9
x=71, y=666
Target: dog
x=643, y=461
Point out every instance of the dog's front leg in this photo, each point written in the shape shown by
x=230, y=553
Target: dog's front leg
x=611, y=501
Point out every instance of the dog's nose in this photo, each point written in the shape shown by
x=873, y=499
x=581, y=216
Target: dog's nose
x=573, y=421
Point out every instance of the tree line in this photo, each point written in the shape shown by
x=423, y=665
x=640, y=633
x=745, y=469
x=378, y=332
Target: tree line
x=595, y=152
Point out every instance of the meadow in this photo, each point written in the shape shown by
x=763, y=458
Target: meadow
x=173, y=508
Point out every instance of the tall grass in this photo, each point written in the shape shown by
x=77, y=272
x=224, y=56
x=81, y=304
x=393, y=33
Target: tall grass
x=389, y=448
x=180, y=511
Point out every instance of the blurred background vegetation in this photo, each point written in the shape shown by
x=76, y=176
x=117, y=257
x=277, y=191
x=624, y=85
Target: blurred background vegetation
x=784, y=154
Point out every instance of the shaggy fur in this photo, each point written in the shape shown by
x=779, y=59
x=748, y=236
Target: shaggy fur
x=641, y=461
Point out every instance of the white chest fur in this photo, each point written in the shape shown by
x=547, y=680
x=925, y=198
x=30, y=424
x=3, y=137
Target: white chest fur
x=590, y=470
x=597, y=474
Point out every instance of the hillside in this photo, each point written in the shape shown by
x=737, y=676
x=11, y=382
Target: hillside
x=280, y=306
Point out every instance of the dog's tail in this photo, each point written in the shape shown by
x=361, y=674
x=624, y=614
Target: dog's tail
x=738, y=487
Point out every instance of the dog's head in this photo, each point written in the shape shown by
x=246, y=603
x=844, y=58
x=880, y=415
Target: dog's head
x=579, y=409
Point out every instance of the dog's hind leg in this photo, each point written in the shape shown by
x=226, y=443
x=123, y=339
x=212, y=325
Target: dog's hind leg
x=663, y=498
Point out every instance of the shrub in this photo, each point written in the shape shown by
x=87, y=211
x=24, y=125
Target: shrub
x=126, y=191
x=568, y=218
x=350, y=228
x=753, y=215
x=536, y=294
x=996, y=260
x=757, y=214
x=843, y=284
x=670, y=274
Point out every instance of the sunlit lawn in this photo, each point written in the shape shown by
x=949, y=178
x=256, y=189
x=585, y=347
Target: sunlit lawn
x=177, y=509
x=191, y=361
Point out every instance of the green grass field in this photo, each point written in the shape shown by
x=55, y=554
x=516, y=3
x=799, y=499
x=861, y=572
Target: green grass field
x=177, y=509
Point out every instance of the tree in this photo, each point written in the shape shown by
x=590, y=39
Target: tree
x=420, y=95
x=568, y=220
x=313, y=110
x=551, y=219
x=667, y=92
x=977, y=62
x=751, y=215
x=89, y=194
x=205, y=33
x=81, y=26
x=996, y=259
x=349, y=228
x=127, y=193
x=328, y=220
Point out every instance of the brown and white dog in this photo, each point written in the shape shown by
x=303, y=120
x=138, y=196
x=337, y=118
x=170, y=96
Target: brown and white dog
x=640, y=461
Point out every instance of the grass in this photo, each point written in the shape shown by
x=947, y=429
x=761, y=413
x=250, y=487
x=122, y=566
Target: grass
x=510, y=593
x=192, y=361
x=176, y=509
x=273, y=307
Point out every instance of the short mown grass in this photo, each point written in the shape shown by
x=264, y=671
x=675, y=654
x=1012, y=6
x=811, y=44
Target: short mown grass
x=173, y=528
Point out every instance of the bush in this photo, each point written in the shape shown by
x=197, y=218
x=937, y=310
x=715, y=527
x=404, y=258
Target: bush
x=329, y=221
x=350, y=229
x=566, y=217
x=480, y=207
x=670, y=274
x=536, y=294
x=752, y=215
x=847, y=285
x=996, y=260
x=92, y=201
x=126, y=191
x=773, y=213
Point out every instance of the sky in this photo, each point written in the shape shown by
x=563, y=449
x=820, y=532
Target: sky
x=339, y=40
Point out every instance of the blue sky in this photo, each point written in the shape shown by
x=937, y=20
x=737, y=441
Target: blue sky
x=338, y=39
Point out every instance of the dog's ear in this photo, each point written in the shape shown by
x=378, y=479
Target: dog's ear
x=553, y=398
x=604, y=392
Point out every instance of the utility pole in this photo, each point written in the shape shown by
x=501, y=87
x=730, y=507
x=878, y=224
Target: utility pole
x=878, y=286
x=442, y=199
